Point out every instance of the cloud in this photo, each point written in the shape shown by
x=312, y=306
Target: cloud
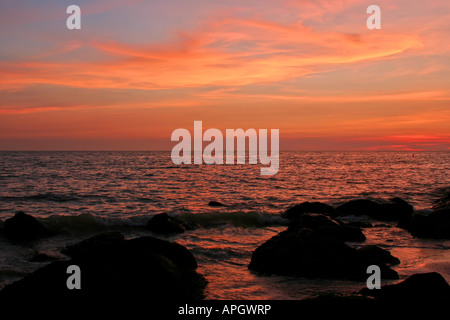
x=310, y=68
x=232, y=52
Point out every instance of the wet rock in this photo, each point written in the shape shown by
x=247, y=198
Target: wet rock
x=190, y=225
x=84, y=223
x=444, y=201
x=349, y=233
x=115, y=270
x=328, y=226
x=314, y=254
x=436, y=225
x=382, y=225
x=425, y=287
x=96, y=246
x=215, y=204
x=394, y=210
x=173, y=251
x=359, y=224
x=377, y=255
x=42, y=257
x=165, y=224
x=309, y=207
x=427, y=292
x=106, y=245
x=358, y=207
x=23, y=227
x=313, y=221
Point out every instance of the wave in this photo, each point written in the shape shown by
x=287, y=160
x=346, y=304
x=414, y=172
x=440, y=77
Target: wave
x=221, y=254
x=238, y=219
x=89, y=223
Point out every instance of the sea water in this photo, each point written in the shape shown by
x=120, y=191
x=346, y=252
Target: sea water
x=83, y=193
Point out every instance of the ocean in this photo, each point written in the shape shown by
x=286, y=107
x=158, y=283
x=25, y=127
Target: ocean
x=83, y=193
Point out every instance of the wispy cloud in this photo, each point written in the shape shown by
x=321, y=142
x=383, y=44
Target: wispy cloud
x=310, y=68
x=229, y=53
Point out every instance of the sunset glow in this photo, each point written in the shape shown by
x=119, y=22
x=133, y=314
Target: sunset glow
x=137, y=70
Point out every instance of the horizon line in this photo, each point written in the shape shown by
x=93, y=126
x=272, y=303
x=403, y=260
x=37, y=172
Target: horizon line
x=305, y=150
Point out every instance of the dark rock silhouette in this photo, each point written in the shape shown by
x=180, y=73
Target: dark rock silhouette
x=425, y=287
x=115, y=270
x=96, y=246
x=349, y=233
x=165, y=224
x=313, y=221
x=383, y=225
x=435, y=225
x=215, y=204
x=377, y=255
x=428, y=292
x=444, y=201
x=308, y=207
x=42, y=257
x=23, y=227
x=394, y=210
x=359, y=224
x=328, y=226
x=314, y=254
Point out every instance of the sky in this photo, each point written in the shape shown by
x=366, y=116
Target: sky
x=137, y=70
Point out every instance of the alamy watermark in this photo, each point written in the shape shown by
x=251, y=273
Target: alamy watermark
x=374, y=280
x=74, y=280
x=214, y=153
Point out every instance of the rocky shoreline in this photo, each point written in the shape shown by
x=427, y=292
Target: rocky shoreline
x=313, y=246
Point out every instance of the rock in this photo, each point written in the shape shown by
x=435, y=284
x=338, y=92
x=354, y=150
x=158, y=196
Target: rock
x=359, y=224
x=403, y=210
x=107, y=243
x=382, y=225
x=23, y=227
x=313, y=254
x=327, y=226
x=115, y=270
x=394, y=210
x=444, y=201
x=173, y=251
x=358, y=207
x=435, y=225
x=215, y=204
x=309, y=207
x=425, y=287
x=377, y=255
x=42, y=257
x=428, y=293
x=96, y=246
x=351, y=234
x=313, y=221
x=190, y=225
x=165, y=224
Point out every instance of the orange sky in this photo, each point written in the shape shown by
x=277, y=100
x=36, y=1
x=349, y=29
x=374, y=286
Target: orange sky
x=137, y=71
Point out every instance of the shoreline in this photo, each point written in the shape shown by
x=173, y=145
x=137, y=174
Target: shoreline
x=204, y=258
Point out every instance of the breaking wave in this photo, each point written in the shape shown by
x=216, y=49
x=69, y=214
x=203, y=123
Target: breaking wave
x=90, y=223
